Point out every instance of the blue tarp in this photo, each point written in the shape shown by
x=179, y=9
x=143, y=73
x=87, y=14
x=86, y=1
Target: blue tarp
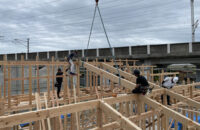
x=27, y=124
x=180, y=125
x=62, y=116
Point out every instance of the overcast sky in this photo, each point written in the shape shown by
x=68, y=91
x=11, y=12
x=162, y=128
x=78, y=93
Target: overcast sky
x=65, y=24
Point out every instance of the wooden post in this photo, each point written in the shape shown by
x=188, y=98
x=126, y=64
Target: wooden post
x=38, y=74
x=71, y=85
x=165, y=119
x=148, y=75
x=30, y=124
x=53, y=73
x=196, y=114
x=48, y=82
x=127, y=109
x=143, y=69
x=65, y=122
x=99, y=118
x=127, y=65
x=152, y=77
x=121, y=108
x=131, y=108
x=96, y=76
x=38, y=106
x=144, y=122
x=183, y=111
x=175, y=125
x=191, y=91
x=22, y=81
x=1, y=107
x=30, y=85
x=140, y=106
x=134, y=63
x=2, y=110
x=9, y=87
x=158, y=121
x=0, y=92
x=78, y=79
x=5, y=76
x=93, y=81
x=165, y=99
x=55, y=100
x=36, y=125
x=111, y=82
x=46, y=105
x=73, y=121
x=192, y=113
x=87, y=76
x=162, y=76
x=120, y=62
x=90, y=81
x=101, y=84
x=66, y=89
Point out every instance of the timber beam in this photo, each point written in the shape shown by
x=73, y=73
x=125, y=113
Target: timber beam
x=125, y=122
x=11, y=120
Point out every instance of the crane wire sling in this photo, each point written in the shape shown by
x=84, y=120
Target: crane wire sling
x=107, y=38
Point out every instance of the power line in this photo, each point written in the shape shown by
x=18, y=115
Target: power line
x=73, y=23
x=66, y=10
x=119, y=31
x=120, y=5
x=38, y=5
x=118, y=17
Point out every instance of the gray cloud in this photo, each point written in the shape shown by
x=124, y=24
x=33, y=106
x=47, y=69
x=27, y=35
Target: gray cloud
x=65, y=24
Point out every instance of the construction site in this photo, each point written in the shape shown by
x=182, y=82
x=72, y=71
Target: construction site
x=103, y=101
x=95, y=89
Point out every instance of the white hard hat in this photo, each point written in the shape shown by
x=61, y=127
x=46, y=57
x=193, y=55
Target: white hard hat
x=175, y=79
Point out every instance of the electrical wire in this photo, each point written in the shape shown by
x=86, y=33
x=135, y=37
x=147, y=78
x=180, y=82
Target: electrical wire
x=111, y=18
x=88, y=18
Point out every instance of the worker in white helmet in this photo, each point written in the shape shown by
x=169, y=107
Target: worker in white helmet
x=168, y=83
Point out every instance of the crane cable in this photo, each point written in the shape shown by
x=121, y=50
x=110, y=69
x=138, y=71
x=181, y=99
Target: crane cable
x=107, y=38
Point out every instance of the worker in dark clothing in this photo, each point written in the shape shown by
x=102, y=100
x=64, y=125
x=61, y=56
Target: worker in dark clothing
x=59, y=81
x=71, y=64
x=142, y=84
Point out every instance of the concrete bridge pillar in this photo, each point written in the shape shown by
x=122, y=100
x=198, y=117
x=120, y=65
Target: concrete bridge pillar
x=48, y=55
x=97, y=52
x=147, y=69
x=198, y=73
x=15, y=56
x=83, y=54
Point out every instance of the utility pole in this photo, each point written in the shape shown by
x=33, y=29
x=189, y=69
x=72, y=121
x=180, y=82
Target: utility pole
x=192, y=20
x=28, y=45
x=194, y=24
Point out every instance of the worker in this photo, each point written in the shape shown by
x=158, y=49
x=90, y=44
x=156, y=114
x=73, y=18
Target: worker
x=59, y=81
x=142, y=84
x=168, y=83
x=71, y=64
